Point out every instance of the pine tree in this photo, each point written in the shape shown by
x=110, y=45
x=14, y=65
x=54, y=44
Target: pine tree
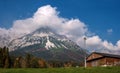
x=4, y=58
x=28, y=59
x=7, y=63
x=7, y=58
x=34, y=62
x=1, y=58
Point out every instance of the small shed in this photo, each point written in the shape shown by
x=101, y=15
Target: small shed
x=102, y=59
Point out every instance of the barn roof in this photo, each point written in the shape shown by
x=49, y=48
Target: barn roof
x=106, y=55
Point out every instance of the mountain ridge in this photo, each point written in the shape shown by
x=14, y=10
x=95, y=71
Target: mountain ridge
x=45, y=43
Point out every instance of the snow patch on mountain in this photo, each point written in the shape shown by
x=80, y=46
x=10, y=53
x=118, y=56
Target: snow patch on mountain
x=49, y=44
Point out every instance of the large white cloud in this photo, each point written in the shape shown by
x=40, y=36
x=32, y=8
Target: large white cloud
x=95, y=43
x=46, y=15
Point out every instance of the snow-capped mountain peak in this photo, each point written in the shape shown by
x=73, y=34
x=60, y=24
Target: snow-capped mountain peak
x=45, y=43
x=45, y=37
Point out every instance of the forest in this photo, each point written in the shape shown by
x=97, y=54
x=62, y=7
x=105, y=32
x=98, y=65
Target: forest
x=30, y=61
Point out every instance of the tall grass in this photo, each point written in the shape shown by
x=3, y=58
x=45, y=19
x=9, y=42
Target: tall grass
x=63, y=70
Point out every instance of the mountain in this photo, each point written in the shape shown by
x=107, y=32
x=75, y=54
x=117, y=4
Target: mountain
x=47, y=44
x=4, y=40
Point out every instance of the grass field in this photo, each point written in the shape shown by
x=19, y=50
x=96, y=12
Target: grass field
x=64, y=70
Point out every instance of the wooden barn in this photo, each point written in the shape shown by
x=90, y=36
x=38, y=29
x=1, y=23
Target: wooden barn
x=102, y=59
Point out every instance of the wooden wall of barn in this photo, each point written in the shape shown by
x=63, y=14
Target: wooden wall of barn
x=105, y=61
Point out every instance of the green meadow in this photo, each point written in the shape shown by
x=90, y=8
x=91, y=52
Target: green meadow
x=63, y=70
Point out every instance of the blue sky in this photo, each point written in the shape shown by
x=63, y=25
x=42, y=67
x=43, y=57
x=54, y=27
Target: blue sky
x=102, y=17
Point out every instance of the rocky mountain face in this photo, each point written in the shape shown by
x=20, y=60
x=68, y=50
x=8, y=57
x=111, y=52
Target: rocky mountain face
x=47, y=44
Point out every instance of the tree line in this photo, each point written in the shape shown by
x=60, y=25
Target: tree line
x=29, y=61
